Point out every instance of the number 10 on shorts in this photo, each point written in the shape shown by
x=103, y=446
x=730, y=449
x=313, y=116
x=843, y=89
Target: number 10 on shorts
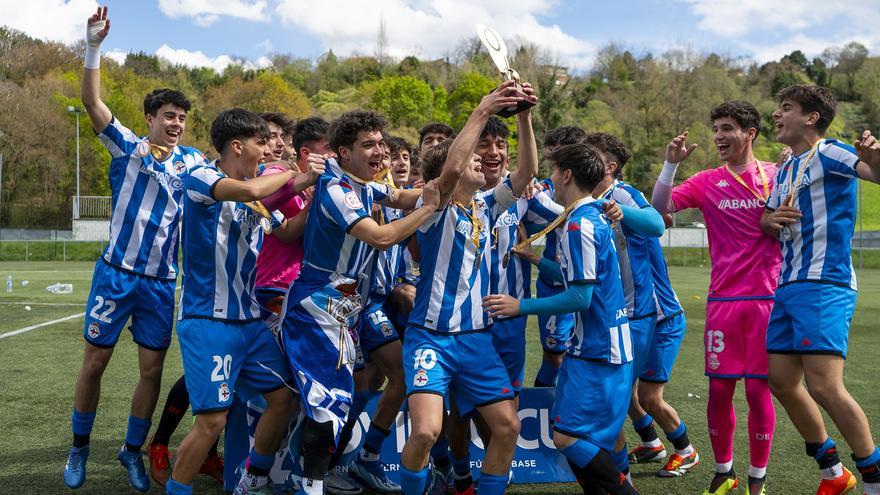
x=425, y=359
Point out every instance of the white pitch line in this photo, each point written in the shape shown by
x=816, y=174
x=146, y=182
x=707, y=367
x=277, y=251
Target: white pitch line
x=19, y=303
x=40, y=325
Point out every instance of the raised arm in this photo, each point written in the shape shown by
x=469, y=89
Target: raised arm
x=255, y=189
x=676, y=152
x=527, y=149
x=868, y=149
x=382, y=237
x=97, y=28
x=461, y=151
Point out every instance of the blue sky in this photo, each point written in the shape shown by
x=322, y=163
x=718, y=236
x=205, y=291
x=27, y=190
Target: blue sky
x=214, y=32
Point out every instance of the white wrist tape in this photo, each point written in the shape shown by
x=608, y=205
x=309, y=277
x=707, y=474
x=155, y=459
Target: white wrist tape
x=667, y=175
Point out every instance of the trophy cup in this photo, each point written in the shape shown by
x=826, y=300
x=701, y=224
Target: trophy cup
x=498, y=51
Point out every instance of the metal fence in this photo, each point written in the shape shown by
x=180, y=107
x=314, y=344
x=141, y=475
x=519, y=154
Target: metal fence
x=91, y=207
x=51, y=250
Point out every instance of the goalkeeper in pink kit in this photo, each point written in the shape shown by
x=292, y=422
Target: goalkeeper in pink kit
x=745, y=269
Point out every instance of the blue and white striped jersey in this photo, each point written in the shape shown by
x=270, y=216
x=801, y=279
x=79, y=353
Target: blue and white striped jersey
x=818, y=246
x=588, y=256
x=667, y=301
x=632, y=251
x=535, y=214
x=390, y=263
x=221, y=241
x=339, y=202
x=146, y=201
x=454, y=278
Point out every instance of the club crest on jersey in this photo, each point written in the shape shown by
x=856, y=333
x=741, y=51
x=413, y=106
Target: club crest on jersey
x=421, y=378
x=179, y=167
x=94, y=330
x=223, y=393
x=352, y=200
x=551, y=341
x=387, y=330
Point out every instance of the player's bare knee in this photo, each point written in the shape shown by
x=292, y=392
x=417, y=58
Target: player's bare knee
x=825, y=393
x=506, y=428
x=651, y=402
x=211, y=423
x=424, y=436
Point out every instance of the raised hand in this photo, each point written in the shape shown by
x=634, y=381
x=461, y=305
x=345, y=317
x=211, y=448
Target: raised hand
x=316, y=168
x=868, y=149
x=612, y=210
x=678, y=150
x=502, y=97
x=97, y=27
x=783, y=156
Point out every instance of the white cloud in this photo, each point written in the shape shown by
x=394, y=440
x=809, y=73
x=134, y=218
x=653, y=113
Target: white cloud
x=266, y=45
x=182, y=56
x=117, y=55
x=207, y=12
x=429, y=29
x=56, y=20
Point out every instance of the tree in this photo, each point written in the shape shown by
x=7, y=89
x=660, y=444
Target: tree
x=850, y=60
x=405, y=100
x=471, y=88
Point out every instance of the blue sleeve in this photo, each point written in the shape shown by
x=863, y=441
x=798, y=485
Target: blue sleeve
x=645, y=221
x=118, y=139
x=199, y=184
x=838, y=158
x=340, y=203
x=574, y=299
x=551, y=270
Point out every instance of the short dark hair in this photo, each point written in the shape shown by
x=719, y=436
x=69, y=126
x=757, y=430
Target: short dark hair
x=279, y=119
x=398, y=145
x=744, y=113
x=567, y=134
x=154, y=101
x=432, y=161
x=812, y=99
x=436, y=128
x=344, y=130
x=495, y=127
x=308, y=130
x=236, y=123
x=584, y=161
x=613, y=149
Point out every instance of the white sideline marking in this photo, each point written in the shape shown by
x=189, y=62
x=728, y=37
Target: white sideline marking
x=40, y=325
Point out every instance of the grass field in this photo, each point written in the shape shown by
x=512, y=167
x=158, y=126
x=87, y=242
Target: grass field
x=39, y=369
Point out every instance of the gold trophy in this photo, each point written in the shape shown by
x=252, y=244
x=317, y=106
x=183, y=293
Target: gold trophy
x=498, y=51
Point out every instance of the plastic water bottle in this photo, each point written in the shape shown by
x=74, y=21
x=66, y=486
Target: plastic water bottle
x=59, y=288
x=9, y=283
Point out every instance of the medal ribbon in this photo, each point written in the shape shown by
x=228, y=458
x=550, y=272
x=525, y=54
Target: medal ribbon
x=764, y=183
x=803, y=168
x=476, y=224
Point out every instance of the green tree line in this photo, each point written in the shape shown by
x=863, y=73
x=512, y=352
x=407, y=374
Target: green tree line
x=643, y=97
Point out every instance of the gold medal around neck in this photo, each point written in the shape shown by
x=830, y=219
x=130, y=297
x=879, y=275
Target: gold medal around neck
x=476, y=224
x=265, y=222
x=145, y=148
x=764, y=183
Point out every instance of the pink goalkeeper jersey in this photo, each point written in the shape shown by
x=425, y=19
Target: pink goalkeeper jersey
x=278, y=263
x=745, y=262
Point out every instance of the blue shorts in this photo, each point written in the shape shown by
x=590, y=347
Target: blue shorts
x=642, y=332
x=118, y=295
x=376, y=329
x=509, y=339
x=466, y=364
x=811, y=318
x=225, y=357
x=664, y=349
x=555, y=330
x=270, y=301
x=592, y=398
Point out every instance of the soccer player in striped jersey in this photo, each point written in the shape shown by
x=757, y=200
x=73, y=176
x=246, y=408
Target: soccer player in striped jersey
x=554, y=329
x=731, y=199
x=595, y=380
x=812, y=212
x=447, y=344
x=508, y=274
x=325, y=303
x=225, y=344
x=135, y=277
x=640, y=226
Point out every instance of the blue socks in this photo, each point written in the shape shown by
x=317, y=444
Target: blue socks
x=81, y=424
x=492, y=484
x=375, y=438
x=413, y=482
x=440, y=449
x=259, y=463
x=174, y=488
x=644, y=422
x=621, y=459
x=546, y=376
x=675, y=435
x=580, y=453
x=136, y=434
x=461, y=467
